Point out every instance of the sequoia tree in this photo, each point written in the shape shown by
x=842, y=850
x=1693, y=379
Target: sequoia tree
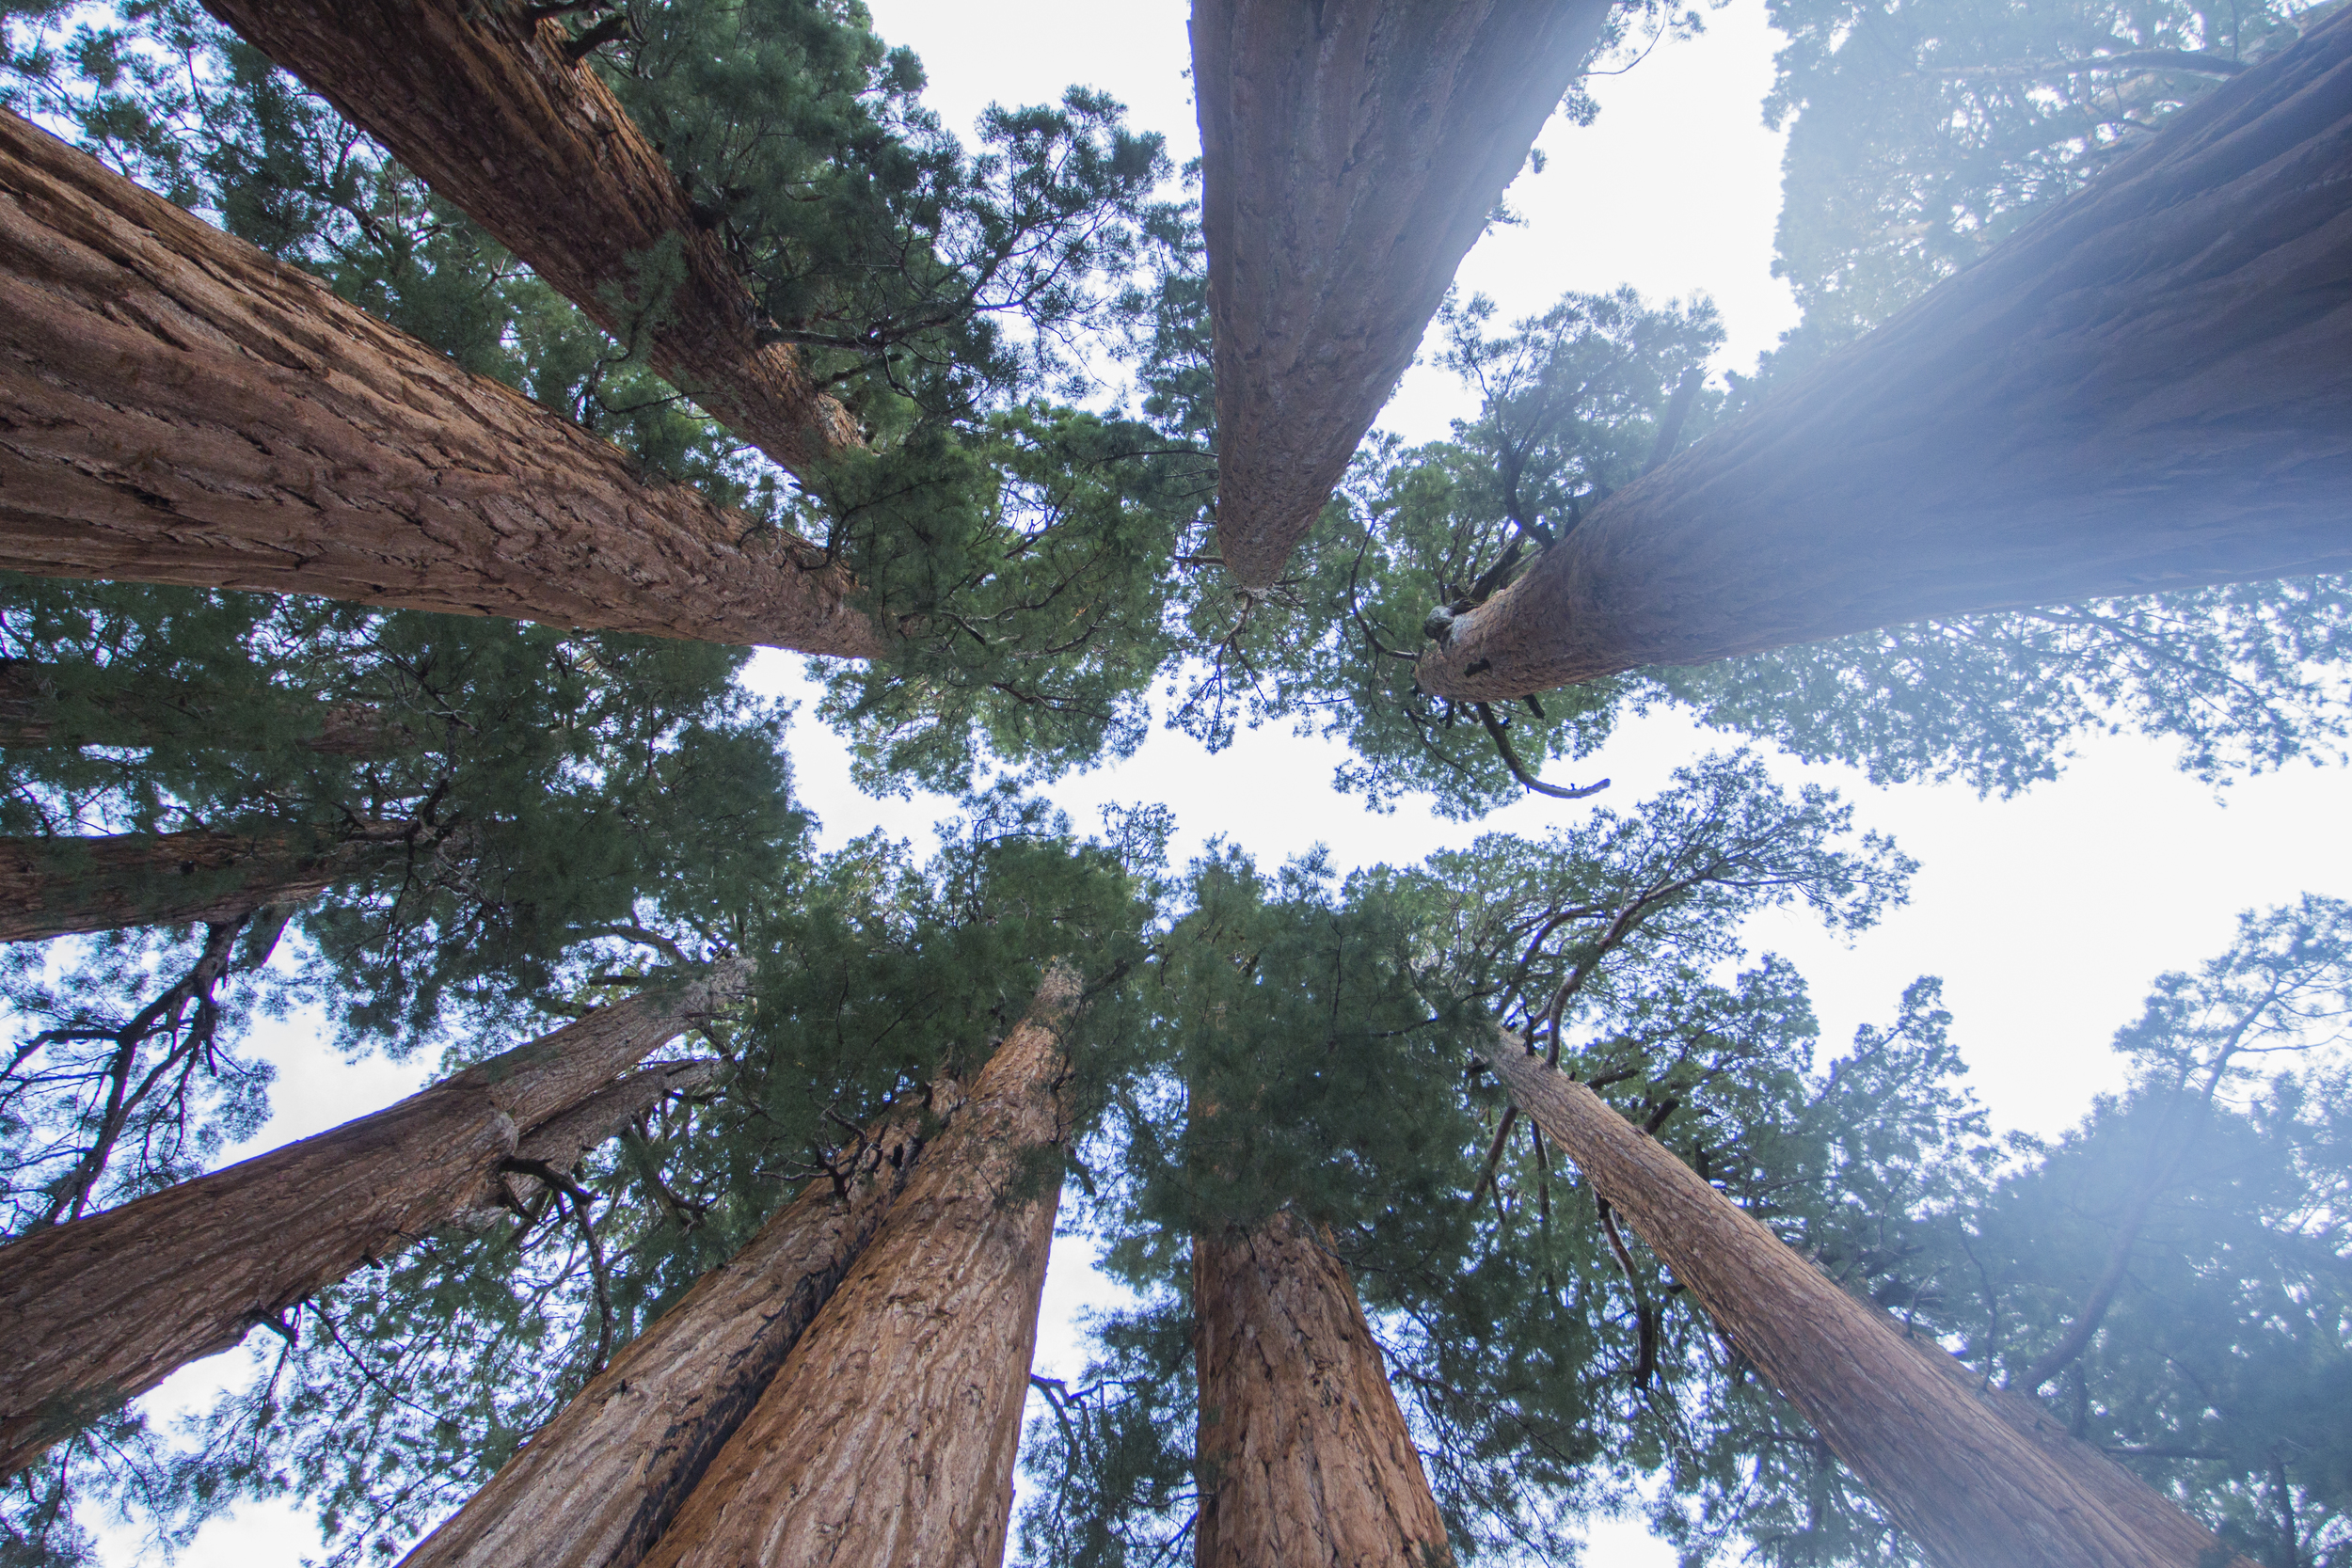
x=1351, y=155
x=314, y=450
x=598, y=1486
x=54, y=886
x=1303, y=1453
x=2168, y=411
x=889, y=1432
x=105, y=1307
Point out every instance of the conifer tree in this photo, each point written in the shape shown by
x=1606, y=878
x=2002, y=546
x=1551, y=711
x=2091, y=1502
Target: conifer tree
x=1851, y=481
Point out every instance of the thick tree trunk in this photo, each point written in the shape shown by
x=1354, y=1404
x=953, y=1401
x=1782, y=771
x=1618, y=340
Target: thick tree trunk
x=104, y=1307
x=597, y=1485
x=888, y=1438
x=176, y=406
x=2149, y=388
x=1304, y=1455
x=490, y=108
x=1351, y=154
x=53, y=887
x=1977, y=1484
x=144, y=710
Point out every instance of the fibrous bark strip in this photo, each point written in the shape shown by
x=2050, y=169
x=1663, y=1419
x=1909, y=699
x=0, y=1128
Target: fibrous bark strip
x=1304, y=1455
x=104, y=1307
x=2148, y=388
x=1977, y=1482
x=492, y=111
x=890, y=1433
x=1352, y=152
x=176, y=406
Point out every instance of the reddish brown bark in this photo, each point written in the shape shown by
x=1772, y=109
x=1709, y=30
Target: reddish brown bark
x=51, y=887
x=1351, y=152
x=176, y=406
x=490, y=110
x=889, y=1435
x=1304, y=1455
x=149, y=711
x=1978, y=1483
x=597, y=1485
x=561, y=1141
x=104, y=1307
x=2149, y=388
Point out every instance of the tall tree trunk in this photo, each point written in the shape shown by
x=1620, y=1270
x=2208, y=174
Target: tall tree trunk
x=104, y=1307
x=141, y=709
x=1304, y=1455
x=557, y=1146
x=1351, y=154
x=489, y=106
x=1978, y=1483
x=596, y=1486
x=2148, y=388
x=888, y=1438
x=176, y=406
x=53, y=887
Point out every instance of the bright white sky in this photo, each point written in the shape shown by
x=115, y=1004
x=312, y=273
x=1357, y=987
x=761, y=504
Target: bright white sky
x=2047, y=916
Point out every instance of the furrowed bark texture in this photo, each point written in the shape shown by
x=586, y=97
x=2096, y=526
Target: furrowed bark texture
x=1351, y=154
x=888, y=1438
x=490, y=110
x=147, y=711
x=53, y=887
x=2149, y=388
x=1304, y=1454
x=597, y=1485
x=1975, y=1484
x=104, y=1307
x=176, y=406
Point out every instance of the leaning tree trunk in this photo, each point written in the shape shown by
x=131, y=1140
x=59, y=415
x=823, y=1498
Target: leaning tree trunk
x=53, y=887
x=888, y=1438
x=1304, y=1455
x=596, y=1486
x=1974, y=1481
x=2148, y=388
x=176, y=406
x=487, y=104
x=104, y=1307
x=141, y=710
x=1351, y=154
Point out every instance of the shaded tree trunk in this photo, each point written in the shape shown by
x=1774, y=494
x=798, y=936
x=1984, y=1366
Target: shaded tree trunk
x=145, y=710
x=104, y=1307
x=888, y=1438
x=176, y=406
x=2148, y=388
x=1976, y=1482
x=1304, y=1455
x=596, y=1486
x=488, y=107
x=51, y=887
x=559, y=1144
x=1351, y=152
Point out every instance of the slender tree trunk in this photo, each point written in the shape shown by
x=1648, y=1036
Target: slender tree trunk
x=490, y=110
x=597, y=1485
x=1304, y=1455
x=145, y=710
x=888, y=1438
x=2148, y=388
x=51, y=887
x=104, y=1307
x=559, y=1144
x=1971, y=1480
x=1351, y=154
x=176, y=406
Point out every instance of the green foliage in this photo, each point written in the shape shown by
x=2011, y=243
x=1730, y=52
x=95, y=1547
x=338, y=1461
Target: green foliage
x=1924, y=132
